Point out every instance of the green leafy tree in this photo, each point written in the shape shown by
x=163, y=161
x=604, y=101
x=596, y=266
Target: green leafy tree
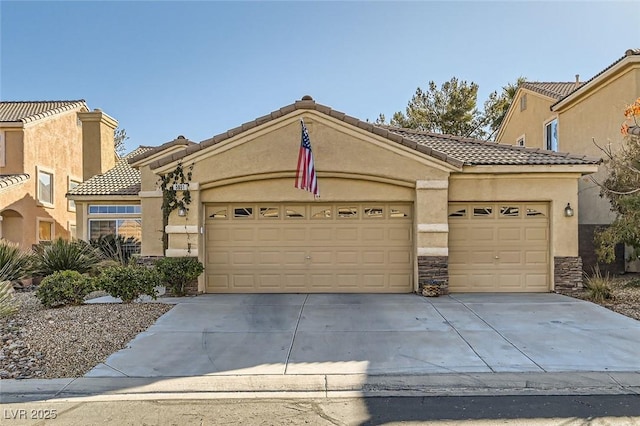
x=622, y=189
x=496, y=107
x=452, y=109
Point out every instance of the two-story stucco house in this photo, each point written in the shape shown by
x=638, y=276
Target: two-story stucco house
x=46, y=149
x=569, y=117
x=398, y=209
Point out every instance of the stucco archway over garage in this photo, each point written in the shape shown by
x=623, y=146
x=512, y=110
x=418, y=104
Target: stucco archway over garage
x=255, y=232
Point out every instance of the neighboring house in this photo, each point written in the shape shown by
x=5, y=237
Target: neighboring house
x=46, y=149
x=399, y=209
x=569, y=117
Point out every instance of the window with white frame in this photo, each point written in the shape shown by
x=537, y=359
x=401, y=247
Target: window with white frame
x=45, y=230
x=45, y=187
x=71, y=184
x=114, y=219
x=551, y=135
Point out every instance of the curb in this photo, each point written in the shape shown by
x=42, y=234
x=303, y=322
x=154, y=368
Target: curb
x=319, y=386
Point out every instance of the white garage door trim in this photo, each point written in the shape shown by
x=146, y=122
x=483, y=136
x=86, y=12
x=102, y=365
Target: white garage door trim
x=315, y=247
x=499, y=247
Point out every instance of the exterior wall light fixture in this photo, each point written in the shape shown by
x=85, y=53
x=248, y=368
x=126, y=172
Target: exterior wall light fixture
x=568, y=211
x=183, y=212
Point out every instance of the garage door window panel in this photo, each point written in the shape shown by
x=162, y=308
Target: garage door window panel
x=243, y=213
x=486, y=212
x=509, y=211
x=269, y=213
x=347, y=212
x=321, y=212
x=295, y=212
x=373, y=213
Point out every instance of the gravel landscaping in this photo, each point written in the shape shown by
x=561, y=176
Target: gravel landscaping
x=69, y=341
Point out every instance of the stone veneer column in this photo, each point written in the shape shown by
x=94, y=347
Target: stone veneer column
x=432, y=198
x=567, y=272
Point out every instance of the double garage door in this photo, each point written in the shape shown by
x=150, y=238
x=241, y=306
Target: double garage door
x=499, y=247
x=318, y=247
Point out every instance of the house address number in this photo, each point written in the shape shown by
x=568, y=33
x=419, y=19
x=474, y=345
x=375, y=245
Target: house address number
x=180, y=186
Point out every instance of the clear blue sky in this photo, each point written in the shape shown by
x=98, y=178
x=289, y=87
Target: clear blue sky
x=200, y=68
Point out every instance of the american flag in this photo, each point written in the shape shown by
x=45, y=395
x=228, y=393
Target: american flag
x=306, y=172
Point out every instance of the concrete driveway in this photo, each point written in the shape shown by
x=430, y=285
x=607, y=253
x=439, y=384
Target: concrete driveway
x=378, y=334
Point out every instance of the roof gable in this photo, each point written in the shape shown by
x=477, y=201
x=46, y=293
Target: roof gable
x=28, y=111
x=455, y=150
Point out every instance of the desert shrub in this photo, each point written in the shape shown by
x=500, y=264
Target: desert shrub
x=129, y=282
x=598, y=287
x=64, y=288
x=8, y=305
x=117, y=248
x=177, y=272
x=64, y=255
x=15, y=263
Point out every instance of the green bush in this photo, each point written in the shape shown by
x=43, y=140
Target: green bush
x=598, y=287
x=177, y=272
x=64, y=288
x=15, y=264
x=8, y=305
x=129, y=282
x=117, y=248
x=64, y=255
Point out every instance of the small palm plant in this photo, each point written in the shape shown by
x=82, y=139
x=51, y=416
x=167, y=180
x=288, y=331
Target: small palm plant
x=15, y=263
x=64, y=255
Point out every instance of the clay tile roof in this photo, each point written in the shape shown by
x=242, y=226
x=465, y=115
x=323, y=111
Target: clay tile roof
x=122, y=179
x=556, y=90
x=474, y=152
x=455, y=150
x=27, y=111
x=179, y=141
x=7, y=181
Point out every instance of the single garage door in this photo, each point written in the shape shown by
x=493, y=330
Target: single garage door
x=498, y=247
x=317, y=247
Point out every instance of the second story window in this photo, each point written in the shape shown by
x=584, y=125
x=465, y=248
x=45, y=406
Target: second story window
x=45, y=187
x=551, y=135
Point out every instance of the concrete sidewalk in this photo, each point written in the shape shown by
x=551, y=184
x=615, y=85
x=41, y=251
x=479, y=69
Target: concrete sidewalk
x=319, y=386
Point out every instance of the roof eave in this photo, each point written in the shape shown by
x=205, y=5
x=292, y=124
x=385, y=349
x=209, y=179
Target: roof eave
x=621, y=64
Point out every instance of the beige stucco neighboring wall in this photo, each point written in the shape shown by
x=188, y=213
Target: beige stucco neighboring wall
x=14, y=154
x=529, y=122
x=53, y=145
x=597, y=114
x=553, y=188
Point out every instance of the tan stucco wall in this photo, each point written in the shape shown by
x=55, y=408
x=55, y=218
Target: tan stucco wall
x=597, y=115
x=529, y=122
x=556, y=189
x=55, y=145
x=98, y=132
x=14, y=157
